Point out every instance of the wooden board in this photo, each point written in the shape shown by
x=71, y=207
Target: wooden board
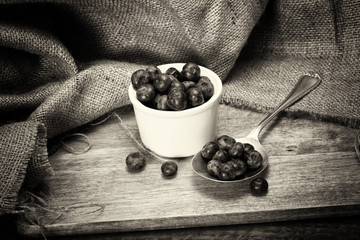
x=313, y=172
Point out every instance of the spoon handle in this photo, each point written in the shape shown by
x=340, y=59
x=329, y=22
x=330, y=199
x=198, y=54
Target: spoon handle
x=305, y=85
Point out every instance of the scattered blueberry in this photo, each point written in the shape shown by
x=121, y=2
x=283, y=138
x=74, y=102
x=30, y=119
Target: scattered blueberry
x=136, y=161
x=169, y=168
x=259, y=186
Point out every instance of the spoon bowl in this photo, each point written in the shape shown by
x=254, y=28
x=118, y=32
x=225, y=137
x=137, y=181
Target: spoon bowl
x=305, y=84
x=199, y=164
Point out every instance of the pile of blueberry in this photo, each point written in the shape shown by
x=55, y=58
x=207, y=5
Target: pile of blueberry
x=227, y=159
x=173, y=90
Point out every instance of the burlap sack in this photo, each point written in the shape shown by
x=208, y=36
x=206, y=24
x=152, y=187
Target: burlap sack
x=65, y=63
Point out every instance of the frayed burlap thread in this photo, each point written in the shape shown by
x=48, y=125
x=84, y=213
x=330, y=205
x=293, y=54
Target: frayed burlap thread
x=24, y=153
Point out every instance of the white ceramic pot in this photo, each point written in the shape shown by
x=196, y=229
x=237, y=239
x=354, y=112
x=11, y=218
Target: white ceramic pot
x=183, y=133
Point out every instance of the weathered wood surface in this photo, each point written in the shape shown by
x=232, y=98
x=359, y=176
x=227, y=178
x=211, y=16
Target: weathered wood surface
x=313, y=172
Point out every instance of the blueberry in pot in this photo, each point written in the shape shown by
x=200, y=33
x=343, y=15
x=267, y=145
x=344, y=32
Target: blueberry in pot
x=139, y=78
x=206, y=87
x=253, y=159
x=153, y=103
x=162, y=82
x=208, y=150
x=153, y=71
x=135, y=161
x=175, y=83
x=156, y=98
x=188, y=84
x=221, y=155
x=213, y=167
x=146, y=93
x=225, y=142
x=191, y=72
x=195, y=97
x=162, y=103
x=226, y=172
x=174, y=72
x=169, y=168
x=177, y=99
x=259, y=186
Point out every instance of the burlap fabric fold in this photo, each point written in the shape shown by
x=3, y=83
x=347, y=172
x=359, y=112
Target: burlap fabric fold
x=65, y=63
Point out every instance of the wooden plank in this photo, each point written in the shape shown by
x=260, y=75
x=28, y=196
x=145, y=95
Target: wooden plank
x=313, y=172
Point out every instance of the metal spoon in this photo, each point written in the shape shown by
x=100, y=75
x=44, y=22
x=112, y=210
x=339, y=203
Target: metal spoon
x=305, y=85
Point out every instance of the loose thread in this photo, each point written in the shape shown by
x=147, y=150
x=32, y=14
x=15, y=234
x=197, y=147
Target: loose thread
x=80, y=205
x=32, y=203
x=70, y=149
x=101, y=121
x=136, y=141
x=28, y=207
x=32, y=211
x=42, y=201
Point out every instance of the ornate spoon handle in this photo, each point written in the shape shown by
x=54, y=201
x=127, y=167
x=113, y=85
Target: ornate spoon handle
x=306, y=84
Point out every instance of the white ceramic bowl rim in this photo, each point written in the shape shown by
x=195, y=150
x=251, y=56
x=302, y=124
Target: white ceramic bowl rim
x=182, y=113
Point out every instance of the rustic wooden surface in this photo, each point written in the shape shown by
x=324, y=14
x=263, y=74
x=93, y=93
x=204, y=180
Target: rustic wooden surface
x=313, y=173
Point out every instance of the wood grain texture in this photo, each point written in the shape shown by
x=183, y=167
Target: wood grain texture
x=313, y=172
x=338, y=228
